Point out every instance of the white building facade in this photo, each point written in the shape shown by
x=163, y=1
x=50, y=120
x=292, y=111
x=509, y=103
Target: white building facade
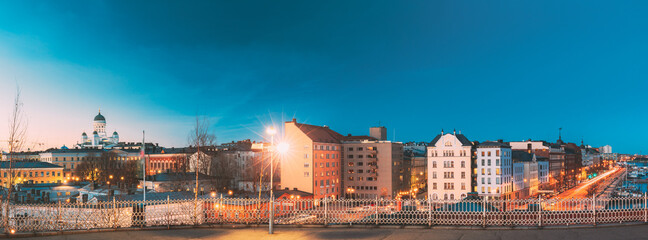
x=543, y=172
x=449, y=167
x=494, y=170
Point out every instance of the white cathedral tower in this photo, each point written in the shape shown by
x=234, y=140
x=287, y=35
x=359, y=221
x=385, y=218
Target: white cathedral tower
x=99, y=136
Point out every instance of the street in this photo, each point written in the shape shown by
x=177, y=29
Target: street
x=580, y=191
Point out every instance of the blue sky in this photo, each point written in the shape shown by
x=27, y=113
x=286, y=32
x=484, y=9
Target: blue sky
x=507, y=70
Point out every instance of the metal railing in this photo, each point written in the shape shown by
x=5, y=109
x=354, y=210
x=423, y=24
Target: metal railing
x=477, y=212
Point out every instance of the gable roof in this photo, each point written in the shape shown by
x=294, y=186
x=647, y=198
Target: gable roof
x=521, y=156
x=320, y=134
x=462, y=139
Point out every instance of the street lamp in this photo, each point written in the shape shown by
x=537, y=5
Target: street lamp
x=271, y=131
x=281, y=148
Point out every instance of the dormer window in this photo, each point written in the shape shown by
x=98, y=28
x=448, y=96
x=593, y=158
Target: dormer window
x=448, y=144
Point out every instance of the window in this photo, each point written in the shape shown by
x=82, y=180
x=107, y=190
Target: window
x=350, y=156
x=350, y=149
x=434, y=164
x=489, y=153
x=497, y=153
x=434, y=175
x=306, y=164
x=463, y=164
x=463, y=175
x=359, y=149
x=434, y=186
x=305, y=155
x=306, y=174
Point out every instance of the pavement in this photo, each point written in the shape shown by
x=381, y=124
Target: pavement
x=257, y=233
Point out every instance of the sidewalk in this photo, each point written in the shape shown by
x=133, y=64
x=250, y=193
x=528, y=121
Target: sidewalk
x=600, y=233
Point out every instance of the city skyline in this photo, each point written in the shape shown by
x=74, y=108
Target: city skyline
x=419, y=68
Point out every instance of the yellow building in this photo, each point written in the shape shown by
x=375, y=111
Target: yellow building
x=30, y=172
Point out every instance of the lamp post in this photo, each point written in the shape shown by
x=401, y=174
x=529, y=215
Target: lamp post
x=271, y=131
x=281, y=148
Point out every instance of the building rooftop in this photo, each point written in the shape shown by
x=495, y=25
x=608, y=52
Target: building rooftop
x=493, y=144
x=319, y=133
x=521, y=156
x=462, y=139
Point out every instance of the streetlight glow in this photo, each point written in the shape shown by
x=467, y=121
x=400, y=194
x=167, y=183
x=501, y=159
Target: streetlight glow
x=282, y=147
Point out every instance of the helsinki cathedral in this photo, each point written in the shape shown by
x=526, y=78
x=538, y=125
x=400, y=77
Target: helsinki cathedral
x=99, y=137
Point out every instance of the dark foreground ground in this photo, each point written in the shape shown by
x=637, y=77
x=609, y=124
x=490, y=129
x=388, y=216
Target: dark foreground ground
x=599, y=233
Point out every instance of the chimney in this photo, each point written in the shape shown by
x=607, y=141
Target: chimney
x=294, y=120
x=295, y=189
x=500, y=141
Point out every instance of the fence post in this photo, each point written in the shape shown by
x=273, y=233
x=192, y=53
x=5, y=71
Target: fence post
x=168, y=214
x=220, y=210
x=196, y=210
x=540, y=211
x=429, y=211
x=58, y=215
x=645, y=207
x=484, y=211
x=594, y=208
x=114, y=205
x=325, y=212
x=376, y=210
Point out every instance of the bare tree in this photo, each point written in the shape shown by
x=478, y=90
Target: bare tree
x=201, y=136
x=16, y=141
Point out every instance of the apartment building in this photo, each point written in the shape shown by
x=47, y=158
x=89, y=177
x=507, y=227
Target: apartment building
x=30, y=172
x=526, y=171
x=494, y=170
x=373, y=167
x=553, y=152
x=69, y=159
x=449, y=166
x=313, y=164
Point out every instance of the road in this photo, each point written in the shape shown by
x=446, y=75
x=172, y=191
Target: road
x=580, y=191
x=599, y=233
